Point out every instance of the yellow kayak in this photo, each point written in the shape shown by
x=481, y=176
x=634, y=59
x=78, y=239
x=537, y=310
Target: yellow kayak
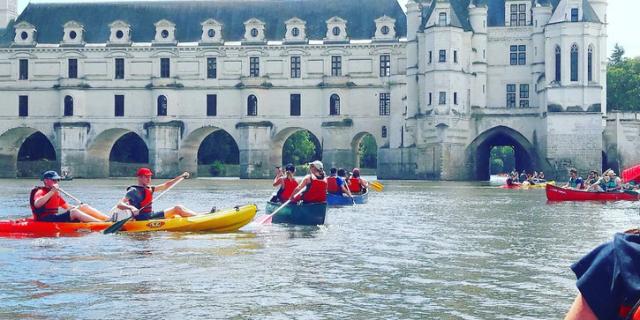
x=537, y=185
x=221, y=221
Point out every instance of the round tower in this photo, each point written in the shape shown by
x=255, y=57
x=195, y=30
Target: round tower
x=478, y=19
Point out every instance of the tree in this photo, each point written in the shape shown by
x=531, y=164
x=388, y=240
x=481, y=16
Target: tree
x=301, y=147
x=617, y=56
x=502, y=159
x=368, y=152
x=623, y=82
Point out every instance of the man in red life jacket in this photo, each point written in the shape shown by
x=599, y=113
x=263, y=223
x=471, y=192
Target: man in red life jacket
x=141, y=196
x=357, y=184
x=45, y=202
x=315, y=183
x=287, y=182
x=332, y=182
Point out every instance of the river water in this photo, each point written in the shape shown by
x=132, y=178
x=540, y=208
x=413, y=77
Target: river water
x=418, y=250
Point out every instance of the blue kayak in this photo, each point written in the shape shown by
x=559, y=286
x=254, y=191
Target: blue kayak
x=335, y=200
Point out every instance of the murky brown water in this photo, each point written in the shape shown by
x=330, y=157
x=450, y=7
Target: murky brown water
x=418, y=250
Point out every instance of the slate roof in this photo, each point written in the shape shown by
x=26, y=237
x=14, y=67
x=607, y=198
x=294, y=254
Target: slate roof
x=48, y=18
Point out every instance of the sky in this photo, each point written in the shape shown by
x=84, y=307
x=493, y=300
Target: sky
x=623, y=16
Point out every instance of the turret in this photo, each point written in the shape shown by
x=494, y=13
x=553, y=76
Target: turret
x=541, y=15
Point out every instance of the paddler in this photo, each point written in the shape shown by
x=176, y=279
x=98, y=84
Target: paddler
x=141, y=196
x=575, y=182
x=45, y=202
x=287, y=182
x=315, y=183
x=332, y=182
x=357, y=184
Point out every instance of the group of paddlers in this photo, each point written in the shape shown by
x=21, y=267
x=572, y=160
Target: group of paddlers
x=525, y=177
x=314, y=187
x=46, y=201
x=607, y=182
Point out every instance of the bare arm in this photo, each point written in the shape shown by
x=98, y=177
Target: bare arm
x=580, y=310
x=300, y=186
x=278, y=179
x=125, y=205
x=164, y=186
x=346, y=190
x=44, y=199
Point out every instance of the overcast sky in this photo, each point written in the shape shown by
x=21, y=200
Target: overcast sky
x=623, y=16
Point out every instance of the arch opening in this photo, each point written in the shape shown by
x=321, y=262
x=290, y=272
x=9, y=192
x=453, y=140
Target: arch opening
x=218, y=155
x=365, y=150
x=36, y=155
x=128, y=153
x=301, y=147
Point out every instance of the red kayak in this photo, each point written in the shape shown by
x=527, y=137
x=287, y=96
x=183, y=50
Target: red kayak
x=560, y=194
x=48, y=229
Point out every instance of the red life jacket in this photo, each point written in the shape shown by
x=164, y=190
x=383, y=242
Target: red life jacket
x=332, y=185
x=354, y=185
x=629, y=312
x=147, y=198
x=316, y=191
x=49, y=208
x=288, y=186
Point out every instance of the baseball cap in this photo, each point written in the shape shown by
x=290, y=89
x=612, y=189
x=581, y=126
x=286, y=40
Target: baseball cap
x=144, y=172
x=317, y=164
x=51, y=175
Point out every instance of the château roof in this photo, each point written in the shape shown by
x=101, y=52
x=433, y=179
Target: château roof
x=48, y=18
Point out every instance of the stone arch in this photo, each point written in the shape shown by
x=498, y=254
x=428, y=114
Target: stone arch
x=355, y=146
x=100, y=150
x=12, y=142
x=478, y=152
x=278, y=141
x=190, y=147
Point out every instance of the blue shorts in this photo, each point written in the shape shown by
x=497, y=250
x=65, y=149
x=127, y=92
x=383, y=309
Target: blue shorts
x=150, y=216
x=61, y=217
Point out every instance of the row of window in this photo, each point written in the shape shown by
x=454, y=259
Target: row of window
x=295, y=103
x=511, y=95
x=442, y=56
x=442, y=98
x=518, y=15
x=212, y=67
x=574, y=57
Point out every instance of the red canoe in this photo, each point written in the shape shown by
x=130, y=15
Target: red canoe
x=26, y=227
x=560, y=194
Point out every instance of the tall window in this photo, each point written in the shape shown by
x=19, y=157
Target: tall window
x=119, y=105
x=385, y=104
x=385, y=65
x=518, y=55
x=442, y=98
x=524, y=96
x=212, y=68
x=442, y=57
x=574, y=62
x=384, y=131
x=294, y=104
x=442, y=19
x=165, y=68
x=558, y=64
x=23, y=106
x=455, y=98
x=68, y=106
x=336, y=66
x=430, y=57
x=295, y=67
x=254, y=67
x=334, y=105
x=162, y=105
x=24, y=69
x=511, y=96
x=119, y=68
x=590, y=64
x=455, y=56
x=518, y=16
x=212, y=105
x=252, y=105
x=73, y=68
x=430, y=98
x=574, y=14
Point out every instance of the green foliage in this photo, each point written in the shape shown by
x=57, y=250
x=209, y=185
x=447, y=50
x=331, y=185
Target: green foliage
x=502, y=159
x=368, y=152
x=623, y=82
x=301, y=147
x=217, y=169
x=218, y=147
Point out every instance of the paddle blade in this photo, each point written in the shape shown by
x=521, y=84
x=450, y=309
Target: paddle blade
x=377, y=186
x=266, y=219
x=117, y=226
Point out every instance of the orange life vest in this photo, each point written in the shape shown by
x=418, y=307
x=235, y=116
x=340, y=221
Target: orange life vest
x=332, y=185
x=49, y=208
x=288, y=186
x=316, y=191
x=147, y=198
x=354, y=185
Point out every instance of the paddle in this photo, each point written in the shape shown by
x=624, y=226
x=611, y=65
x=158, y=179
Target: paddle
x=118, y=225
x=70, y=195
x=268, y=218
x=376, y=185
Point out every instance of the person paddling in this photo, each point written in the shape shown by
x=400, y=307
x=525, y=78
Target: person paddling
x=45, y=202
x=332, y=182
x=287, y=182
x=357, y=184
x=141, y=196
x=315, y=183
x=574, y=182
x=343, y=185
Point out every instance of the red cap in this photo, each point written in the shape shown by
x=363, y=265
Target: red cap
x=144, y=172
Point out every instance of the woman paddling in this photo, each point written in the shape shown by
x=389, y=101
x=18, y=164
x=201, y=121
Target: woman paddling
x=287, y=182
x=315, y=183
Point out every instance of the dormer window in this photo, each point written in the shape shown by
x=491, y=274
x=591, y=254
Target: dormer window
x=211, y=32
x=25, y=33
x=119, y=33
x=385, y=29
x=254, y=30
x=336, y=29
x=165, y=32
x=518, y=14
x=72, y=33
x=574, y=14
x=295, y=30
x=442, y=19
